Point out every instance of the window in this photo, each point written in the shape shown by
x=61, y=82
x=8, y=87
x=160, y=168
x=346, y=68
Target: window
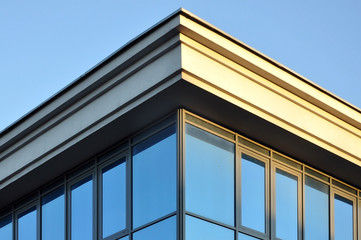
x=253, y=193
x=82, y=209
x=344, y=211
x=209, y=175
x=27, y=224
x=6, y=228
x=164, y=230
x=287, y=210
x=316, y=210
x=215, y=186
x=53, y=215
x=154, y=177
x=113, y=181
x=199, y=229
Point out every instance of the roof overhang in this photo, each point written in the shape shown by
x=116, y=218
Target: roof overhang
x=182, y=62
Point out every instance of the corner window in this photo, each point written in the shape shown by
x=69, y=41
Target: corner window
x=209, y=175
x=154, y=177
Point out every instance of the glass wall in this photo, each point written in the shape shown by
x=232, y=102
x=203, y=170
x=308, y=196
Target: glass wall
x=253, y=193
x=6, y=228
x=287, y=205
x=200, y=229
x=53, y=215
x=164, y=230
x=82, y=209
x=27, y=224
x=316, y=210
x=258, y=193
x=191, y=179
x=343, y=217
x=154, y=177
x=113, y=178
x=209, y=175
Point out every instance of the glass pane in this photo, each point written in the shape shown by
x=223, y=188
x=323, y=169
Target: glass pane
x=164, y=230
x=343, y=218
x=209, y=175
x=82, y=210
x=197, y=229
x=316, y=210
x=253, y=194
x=154, y=177
x=52, y=214
x=286, y=206
x=124, y=238
x=114, y=198
x=6, y=228
x=27, y=225
x=242, y=236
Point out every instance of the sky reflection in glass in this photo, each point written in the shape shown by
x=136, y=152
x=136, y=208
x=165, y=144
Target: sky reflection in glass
x=242, y=236
x=316, y=210
x=6, y=228
x=52, y=211
x=114, y=198
x=164, y=230
x=253, y=193
x=343, y=218
x=27, y=225
x=197, y=229
x=82, y=210
x=154, y=177
x=286, y=206
x=209, y=175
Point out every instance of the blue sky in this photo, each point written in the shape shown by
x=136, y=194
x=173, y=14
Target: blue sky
x=45, y=45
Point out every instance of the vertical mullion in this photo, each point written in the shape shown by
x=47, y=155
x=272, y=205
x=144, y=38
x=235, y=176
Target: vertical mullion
x=65, y=208
x=358, y=226
x=300, y=206
x=99, y=204
x=180, y=175
x=273, y=202
x=332, y=214
x=130, y=189
x=303, y=202
x=267, y=197
x=128, y=193
x=38, y=217
x=95, y=202
x=238, y=188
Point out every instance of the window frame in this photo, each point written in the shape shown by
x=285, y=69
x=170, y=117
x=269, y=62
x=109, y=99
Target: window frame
x=298, y=174
x=337, y=191
x=266, y=160
x=101, y=166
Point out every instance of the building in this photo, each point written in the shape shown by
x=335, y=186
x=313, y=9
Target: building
x=184, y=133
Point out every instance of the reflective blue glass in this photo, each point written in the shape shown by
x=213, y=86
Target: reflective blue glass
x=154, y=177
x=82, y=210
x=27, y=225
x=286, y=206
x=164, y=230
x=52, y=215
x=343, y=218
x=124, y=238
x=209, y=175
x=197, y=229
x=114, y=198
x=316, y=210
x=253, y=210
x=242, y=236
x=6, y=228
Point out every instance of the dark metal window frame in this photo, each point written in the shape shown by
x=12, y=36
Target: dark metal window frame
x=243, y=145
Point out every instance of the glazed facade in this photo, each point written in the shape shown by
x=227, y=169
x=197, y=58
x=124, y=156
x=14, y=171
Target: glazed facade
x=187, y=178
